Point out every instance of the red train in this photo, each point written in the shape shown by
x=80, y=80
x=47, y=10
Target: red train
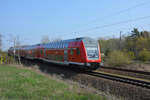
x=84, y=52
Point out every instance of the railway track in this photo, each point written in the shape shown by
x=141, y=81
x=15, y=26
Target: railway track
x=126, y=70
x=120, y=78
x=129, y=80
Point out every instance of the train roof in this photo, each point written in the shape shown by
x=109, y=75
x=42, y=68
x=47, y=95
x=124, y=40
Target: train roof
x=55, y=44
x=64, y=43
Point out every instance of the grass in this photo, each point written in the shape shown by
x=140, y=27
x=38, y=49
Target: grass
x=24, y=84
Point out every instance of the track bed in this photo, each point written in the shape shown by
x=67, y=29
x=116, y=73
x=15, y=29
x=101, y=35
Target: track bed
x=126, y=72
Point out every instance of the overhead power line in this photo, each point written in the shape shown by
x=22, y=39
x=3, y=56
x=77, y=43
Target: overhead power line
x=118, y=23
x=117, y=13
x=111, y=15
x=125, y=29
x=110, y=25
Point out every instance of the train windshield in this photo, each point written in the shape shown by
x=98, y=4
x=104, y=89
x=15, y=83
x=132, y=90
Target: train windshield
x=92, y=50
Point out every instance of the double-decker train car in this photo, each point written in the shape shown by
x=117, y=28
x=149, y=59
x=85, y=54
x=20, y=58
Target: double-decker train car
x=80, y=52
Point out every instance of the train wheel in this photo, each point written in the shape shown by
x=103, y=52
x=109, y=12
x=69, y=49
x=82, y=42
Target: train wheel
x=94, y=66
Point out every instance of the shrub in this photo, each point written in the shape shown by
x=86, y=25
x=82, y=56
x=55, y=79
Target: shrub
x=144, y=55
x=118, y=58
x=131, y=55
x=107, y=51
x=5, y=59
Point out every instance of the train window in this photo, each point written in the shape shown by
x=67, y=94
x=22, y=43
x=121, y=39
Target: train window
x=59, y=45
x=71, y=51
x=51, y=45
x=63, y=45
x=56, y=45
x=78, y=51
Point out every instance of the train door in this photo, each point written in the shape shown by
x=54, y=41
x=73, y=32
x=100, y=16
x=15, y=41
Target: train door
x=41, y=53
x=44, y=56
x=37, y=53
x=66, y=55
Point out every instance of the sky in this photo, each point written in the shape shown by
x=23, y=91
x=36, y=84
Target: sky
x=30, y=20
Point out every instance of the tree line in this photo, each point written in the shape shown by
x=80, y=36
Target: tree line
x=134, y=46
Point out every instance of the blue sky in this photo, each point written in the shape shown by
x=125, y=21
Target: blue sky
x=65, y=19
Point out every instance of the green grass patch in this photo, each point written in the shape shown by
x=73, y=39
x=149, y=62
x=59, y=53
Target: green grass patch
x=24, y=84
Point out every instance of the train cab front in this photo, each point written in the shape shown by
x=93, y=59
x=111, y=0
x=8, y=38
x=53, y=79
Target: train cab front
x=92, y=51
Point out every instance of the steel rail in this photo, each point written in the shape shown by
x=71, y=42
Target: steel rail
x=133, y=81
x=126, y=70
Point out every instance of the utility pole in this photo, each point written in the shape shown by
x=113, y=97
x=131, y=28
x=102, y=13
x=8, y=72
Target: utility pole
x=16, y=43
x=120, y=40
x=15, y=40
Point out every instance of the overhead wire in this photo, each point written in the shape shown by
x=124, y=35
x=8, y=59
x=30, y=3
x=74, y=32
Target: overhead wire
x=111, y=15
x=119, y=12
x=118, y=31
x=118, y=23
x=113, y=24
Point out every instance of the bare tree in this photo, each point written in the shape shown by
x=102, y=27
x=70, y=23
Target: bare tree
x=45, y=39
x=16, y=44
